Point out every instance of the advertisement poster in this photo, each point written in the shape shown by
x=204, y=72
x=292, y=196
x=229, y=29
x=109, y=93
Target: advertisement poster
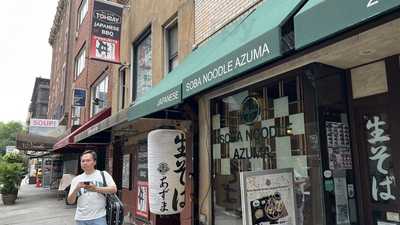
x=142, y=209
x=106, y=31
x=79, y=97
x=142, y=200
x=268, y=197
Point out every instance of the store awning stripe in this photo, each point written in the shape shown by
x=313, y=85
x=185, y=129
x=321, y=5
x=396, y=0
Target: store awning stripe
x=253, y=39
x=321, y=19
x=69, y=139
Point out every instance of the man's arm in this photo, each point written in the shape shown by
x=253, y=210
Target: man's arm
x=72, y=195
x=106, y=190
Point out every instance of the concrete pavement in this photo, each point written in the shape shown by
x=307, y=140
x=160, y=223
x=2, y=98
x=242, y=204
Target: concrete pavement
x=36, y=206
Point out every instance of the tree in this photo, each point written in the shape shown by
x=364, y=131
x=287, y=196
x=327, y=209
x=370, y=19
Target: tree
x=8, y=133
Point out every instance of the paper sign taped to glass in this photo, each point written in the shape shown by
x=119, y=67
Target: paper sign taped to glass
x=268, y=197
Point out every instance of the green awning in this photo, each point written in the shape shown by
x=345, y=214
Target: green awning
x=249, y=42
x=319, y=19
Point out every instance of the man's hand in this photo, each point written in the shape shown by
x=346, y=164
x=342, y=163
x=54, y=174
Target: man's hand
x=79, y=186
x=91, y=187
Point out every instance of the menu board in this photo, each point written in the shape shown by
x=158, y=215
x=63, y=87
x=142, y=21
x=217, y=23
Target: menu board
x=268, y=197
x=338, y=143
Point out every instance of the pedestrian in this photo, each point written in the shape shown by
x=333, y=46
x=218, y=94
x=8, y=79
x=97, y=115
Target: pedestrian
x=89, y=189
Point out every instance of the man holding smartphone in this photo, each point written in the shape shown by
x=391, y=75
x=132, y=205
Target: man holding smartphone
x=89, y=188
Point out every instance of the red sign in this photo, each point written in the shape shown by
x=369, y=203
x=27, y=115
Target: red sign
x=106, y=31
x=142, y=206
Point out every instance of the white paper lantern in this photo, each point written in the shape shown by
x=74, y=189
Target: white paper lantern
x=167, y=171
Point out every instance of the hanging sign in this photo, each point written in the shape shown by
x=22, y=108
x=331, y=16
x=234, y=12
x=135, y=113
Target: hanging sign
x=166, y=171
x=268, y=197
x=106, y=31
x=79, y=97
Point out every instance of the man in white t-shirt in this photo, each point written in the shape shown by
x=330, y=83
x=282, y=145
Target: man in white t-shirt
x=90, y=189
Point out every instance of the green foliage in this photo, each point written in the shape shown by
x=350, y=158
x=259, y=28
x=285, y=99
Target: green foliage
x=10, y=177
x=13, y=157
x=8, y=133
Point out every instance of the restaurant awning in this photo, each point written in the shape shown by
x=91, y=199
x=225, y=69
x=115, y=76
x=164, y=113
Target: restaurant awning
x=334, y=16
x=251, y=41
x=32, y=142
x=92, y=134
x=68, y=141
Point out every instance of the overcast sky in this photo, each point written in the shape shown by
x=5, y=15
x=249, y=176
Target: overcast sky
x=25, y=53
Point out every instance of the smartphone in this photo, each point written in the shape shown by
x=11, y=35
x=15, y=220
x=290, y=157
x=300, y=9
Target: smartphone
x=86, y=182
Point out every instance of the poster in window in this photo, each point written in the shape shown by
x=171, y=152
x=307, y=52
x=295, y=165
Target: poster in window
x=268, y=197
x=126, y=166
x=142, y=208
x=79, y=97
x=106, y=31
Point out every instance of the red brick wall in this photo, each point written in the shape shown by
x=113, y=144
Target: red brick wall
x=93, y=70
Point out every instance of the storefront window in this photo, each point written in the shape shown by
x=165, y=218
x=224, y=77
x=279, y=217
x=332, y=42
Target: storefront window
x=262, y=128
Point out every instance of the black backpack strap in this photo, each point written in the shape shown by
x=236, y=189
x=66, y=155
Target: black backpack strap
x=104, y=179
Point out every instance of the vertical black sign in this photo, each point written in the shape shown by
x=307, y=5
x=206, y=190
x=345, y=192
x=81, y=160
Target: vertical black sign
x=106, y=31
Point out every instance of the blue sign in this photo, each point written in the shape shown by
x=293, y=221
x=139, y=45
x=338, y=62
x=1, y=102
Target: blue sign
x=79, y=97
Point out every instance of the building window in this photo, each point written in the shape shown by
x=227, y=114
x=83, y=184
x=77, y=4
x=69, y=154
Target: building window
x=122, y=88
x=142, y=62
x=82, y=11
x=80, y=62
x=99, y=95
x=262, y=127
x=171, y=43
x=76, y=116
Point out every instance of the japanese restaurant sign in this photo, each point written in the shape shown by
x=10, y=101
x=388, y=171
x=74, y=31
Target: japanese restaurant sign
x=166, y=171
x=106, y=31
x=380, y=165
x=268, y=197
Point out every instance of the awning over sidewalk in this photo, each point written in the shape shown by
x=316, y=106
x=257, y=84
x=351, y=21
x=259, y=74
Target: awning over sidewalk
x=69, y=139
x=333, y=16
x=90, y=134
x=247, y=43
x=32, y=142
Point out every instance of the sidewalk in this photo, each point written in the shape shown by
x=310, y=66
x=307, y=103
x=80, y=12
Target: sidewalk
x=36, y=206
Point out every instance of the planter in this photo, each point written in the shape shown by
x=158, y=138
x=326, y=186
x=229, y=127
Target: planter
x=9, y=199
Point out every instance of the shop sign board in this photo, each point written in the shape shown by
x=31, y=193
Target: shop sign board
x=252, y=54
x=106, y=31
x=380, y=159
x=79, y=97
x=268, y=197
x=44, y=123
x=162, y=101
x=330, y=22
